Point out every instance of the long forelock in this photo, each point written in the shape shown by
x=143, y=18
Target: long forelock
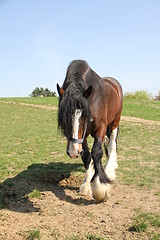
x=72, y=99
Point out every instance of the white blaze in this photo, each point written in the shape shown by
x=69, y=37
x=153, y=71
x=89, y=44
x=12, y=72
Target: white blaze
x=73, y=147
x=75, y=123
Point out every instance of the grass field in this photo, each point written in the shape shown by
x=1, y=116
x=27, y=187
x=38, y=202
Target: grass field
x=48, y=101
x=146, y=109
x=30, y=141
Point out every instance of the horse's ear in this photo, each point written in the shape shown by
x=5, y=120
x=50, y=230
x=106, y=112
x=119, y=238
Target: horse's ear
x=87, y=92
x=60, y=90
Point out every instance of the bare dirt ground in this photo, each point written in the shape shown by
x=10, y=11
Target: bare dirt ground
x=139, y=120
x=31, y=105
x=61, y=212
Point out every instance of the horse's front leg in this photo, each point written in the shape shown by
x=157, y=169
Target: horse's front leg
x=89, y=168
x=100, y=183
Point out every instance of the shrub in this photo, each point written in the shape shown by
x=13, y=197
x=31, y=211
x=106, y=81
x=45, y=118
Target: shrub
x=143, y=95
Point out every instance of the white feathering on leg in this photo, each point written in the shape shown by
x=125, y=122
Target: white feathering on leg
x=85, y=188
x=112, y=159
x=100, y=191
x=106, y=141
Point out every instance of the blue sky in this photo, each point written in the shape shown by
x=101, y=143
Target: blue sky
x=118, y=38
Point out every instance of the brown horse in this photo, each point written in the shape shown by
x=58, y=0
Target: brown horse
x=89, y=104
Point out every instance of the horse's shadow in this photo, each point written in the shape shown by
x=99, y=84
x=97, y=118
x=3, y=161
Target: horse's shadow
x=14, y=192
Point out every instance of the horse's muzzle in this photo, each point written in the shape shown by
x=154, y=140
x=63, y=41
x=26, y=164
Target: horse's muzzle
x=74, y=155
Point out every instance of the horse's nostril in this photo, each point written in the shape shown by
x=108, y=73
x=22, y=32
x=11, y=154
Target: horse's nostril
x=79, y=153
x=75, y=154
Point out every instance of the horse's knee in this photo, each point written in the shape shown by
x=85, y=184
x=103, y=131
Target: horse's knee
x=86, y=158
x=97, y=152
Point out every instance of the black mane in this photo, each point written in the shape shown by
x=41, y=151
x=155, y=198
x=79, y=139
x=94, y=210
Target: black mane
x=72, y=99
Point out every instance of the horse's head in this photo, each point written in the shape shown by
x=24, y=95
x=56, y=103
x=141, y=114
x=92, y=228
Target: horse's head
x=73, y=118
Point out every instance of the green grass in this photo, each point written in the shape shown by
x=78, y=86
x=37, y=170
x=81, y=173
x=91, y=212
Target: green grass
x=139, y=227
x=33, y=153
x=88, y=237
x=147, y=222
x=78, y=236
x=29, y=137
x=55, y=234
x=32, y=150
x=147, y=109
x=34, y=234
x=156, y=236
x=95, y=237
x=34, y=194
x=46, y=101
x=139, y=154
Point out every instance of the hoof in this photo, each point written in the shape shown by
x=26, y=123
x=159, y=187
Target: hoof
x=85, y=189
x=100, y=191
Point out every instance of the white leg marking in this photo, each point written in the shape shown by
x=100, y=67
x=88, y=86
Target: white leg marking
x=100, y=190
x=112, y=159
x=106, y=142
x=86, y=186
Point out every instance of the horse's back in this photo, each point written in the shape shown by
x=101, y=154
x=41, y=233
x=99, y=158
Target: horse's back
x=115, y=84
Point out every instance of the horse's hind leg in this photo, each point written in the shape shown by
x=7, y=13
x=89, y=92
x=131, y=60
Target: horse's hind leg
x=112, y=155
x=106, y=142
x=88, y=163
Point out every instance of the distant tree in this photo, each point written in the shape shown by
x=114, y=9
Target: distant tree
x=38, y=92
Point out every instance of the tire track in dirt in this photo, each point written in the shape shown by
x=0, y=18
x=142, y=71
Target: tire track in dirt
x=31, y=105
x=139, y=120
x=123, y=118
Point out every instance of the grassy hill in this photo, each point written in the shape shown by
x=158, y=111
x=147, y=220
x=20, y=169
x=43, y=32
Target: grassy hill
x=33, y=152
x=147, y=109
